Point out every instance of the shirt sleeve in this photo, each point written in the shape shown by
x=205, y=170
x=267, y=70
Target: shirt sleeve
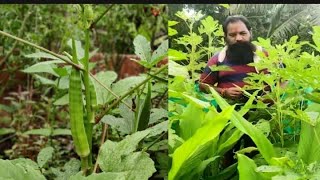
x=208, y=76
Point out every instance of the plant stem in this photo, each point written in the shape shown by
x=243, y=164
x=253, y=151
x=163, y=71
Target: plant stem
x=42, y=49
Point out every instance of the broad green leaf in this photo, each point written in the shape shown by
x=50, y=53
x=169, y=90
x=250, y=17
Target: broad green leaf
x=62, y=71
x=64, y=100
x=158, y=129
x=309, y=143
x=159, y=53
x=24, y=162
x=71, y=168
x=44, y=156
x=264, y=145
x=112, y=153
x=192, y=152
x=139, y=166
x=228, y=140
x=172, y=23
x=247, y=169
x=157, y=114
x=106, y=78
x=120, y=124
x=176, y=69
x=158, y=146
x=4, y=131
x=209, y=25
x=42, y=132
x=12, y=171
x=58, y=132
x=142, y=48
x=190, y=120
x=63, y=82
x=172, y=32
x=43, y=55
x=124, y=85
x=45, y=81
x=175, y=55
x=101, y=176
x=43, y=67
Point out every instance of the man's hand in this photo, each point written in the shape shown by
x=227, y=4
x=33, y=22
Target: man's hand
x=232, y=92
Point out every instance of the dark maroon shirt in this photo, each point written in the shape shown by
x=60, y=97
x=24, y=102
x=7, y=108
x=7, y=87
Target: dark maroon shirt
x=226, y=79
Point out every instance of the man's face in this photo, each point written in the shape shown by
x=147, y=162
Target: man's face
x=237, y=32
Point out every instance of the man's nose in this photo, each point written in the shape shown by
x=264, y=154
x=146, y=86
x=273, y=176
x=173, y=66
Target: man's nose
x=238, y=37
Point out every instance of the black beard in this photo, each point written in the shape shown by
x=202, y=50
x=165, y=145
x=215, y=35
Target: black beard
x=240, y=53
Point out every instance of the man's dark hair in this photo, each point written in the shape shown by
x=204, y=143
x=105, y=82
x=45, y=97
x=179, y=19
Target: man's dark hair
x=233, y=19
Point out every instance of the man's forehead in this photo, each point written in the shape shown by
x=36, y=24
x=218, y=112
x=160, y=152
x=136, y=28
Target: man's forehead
x=237, y=26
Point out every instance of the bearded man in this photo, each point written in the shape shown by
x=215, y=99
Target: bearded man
x=237, y=54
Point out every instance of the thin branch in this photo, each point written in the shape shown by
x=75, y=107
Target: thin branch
x=103, y=138
x=21, y=30
x=99, y=117
x=99, y=18
x=108, y=89
x=42, y=49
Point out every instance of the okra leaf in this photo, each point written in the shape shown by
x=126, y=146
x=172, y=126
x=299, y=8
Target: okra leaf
x=175, y=55
x=142, y=48
x=44, y=156
x=9, y=170
x=160, y=53
x=43, y=67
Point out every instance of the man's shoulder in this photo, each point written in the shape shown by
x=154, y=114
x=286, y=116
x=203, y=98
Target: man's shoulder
x=214, y=59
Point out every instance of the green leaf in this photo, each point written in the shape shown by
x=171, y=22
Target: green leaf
x=142, y=48
x=122, y=86
x=112, y=153
x=106, y=78
x=64, y=100
x=176, y=69
x=24, y=162
x=191, y=120
x=144, y=111
x=220, y=68
x=192, y=152
x=309, y=143
x=246, y=168
x=139, y=166
x=159, y=53
x=227, y=6
x=175, y=55
x=157, y=114
x=44, y=156
x=63, y=82
x=172, y=23
x=79, y=49
x=9, y=170
x=42, y=132
x=71, y=168
x=43, y=67
x=228, y=139
x=264, y=145
x=45, y=81
x=43, y=55
x=120, y=124
x=158, y=129
x=4, y=131
x=100, y=176
x=172, y=32
x=58, y=132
